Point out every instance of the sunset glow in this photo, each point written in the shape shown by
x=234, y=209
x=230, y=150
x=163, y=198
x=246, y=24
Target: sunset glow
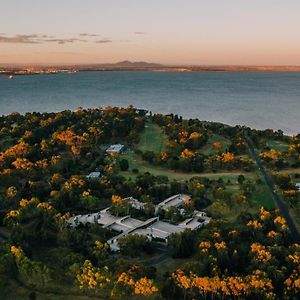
x=168, y=32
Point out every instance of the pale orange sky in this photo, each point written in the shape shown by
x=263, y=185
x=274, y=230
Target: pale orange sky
x=256, y=32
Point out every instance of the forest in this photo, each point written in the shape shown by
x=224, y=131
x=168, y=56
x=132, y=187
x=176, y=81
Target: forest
x=249, y=250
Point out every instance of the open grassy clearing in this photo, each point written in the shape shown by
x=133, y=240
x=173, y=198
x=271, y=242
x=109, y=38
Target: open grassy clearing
x=13, y=290
x=290, y=171
x=262, y=197
x=208, y=149
x=135, y=162
x=278, y=145
x=295, y=216
x=152, y=139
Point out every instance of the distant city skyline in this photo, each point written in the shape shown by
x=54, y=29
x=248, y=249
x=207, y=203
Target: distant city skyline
x=171, y=32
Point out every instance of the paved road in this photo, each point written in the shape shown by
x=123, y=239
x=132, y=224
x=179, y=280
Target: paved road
x=276, y=198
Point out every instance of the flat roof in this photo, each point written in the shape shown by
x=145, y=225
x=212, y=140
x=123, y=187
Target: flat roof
x=115, y=148
x=151, y=227
x=132, y=223
x=175, y=200
x=192, y=224
x=119, y=227
x=94, y=174
x=166, y=227
x=106, y=218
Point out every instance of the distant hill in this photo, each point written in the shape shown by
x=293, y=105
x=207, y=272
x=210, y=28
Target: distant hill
x=126, y=64
x=140, y=64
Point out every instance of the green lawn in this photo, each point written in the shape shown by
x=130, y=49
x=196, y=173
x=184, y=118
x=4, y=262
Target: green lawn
x=262, y=197
x=152, y=139
x=14, y=290
x=278, y=145
x=294, y=212
x=135, y=162
x=208, y=149
x=290, y=171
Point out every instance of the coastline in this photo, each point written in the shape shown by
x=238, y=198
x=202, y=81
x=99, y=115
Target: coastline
x=255, y=99
x=52, y=70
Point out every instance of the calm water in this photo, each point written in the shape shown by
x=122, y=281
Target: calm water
x=259, y=100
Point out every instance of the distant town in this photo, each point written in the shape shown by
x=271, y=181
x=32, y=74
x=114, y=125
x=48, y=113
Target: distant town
x=14, y=69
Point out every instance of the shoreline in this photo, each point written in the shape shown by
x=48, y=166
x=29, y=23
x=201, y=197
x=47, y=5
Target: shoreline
x=17, y=71
x=285, y=133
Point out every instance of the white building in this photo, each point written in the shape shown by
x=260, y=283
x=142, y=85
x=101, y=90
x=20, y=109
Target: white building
x=173, y=201
x=83, y=219
x=135, y=203
x=116, y=148
x=152, y=228
x=298, y=186
x=94, y=175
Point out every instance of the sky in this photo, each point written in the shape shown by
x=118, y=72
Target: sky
x=181, y=32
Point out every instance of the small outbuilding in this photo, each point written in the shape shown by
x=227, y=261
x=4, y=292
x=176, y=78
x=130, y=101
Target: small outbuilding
x=115, y=148
x=94, y=175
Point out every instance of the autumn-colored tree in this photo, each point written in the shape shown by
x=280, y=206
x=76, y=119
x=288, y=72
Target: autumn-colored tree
x=217, y=146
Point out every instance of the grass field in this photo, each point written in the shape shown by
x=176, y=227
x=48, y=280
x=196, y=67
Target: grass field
x=262, y=197
x=209, y=149
x=152, y=139
x=13, y=290
x=135, y=162
x=278, y=145
x=295, y=216
x=290, y=171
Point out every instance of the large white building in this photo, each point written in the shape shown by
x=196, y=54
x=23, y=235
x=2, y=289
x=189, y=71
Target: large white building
x=152, y=228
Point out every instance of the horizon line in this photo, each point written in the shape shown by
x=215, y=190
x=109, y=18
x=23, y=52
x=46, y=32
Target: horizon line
x=42, y=64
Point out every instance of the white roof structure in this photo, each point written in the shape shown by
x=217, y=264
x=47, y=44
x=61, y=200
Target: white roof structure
x=105, y=218
x=94, y=175
x=151, y=228
x=298, y=186
x=116, y=148
x=173, y=201
x=135, y=203
x=83, y=219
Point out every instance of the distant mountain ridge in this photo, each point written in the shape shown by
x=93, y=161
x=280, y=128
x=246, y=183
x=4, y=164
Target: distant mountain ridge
x=127, y=63
x=120, y=64
x=139, y=66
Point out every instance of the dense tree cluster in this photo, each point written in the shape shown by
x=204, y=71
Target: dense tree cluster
x=186, y=140
x=257, y=260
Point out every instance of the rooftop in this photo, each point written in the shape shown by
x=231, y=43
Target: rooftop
x=94, y=175
x=175, y=201
x=151, y=228
x=115, y=148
